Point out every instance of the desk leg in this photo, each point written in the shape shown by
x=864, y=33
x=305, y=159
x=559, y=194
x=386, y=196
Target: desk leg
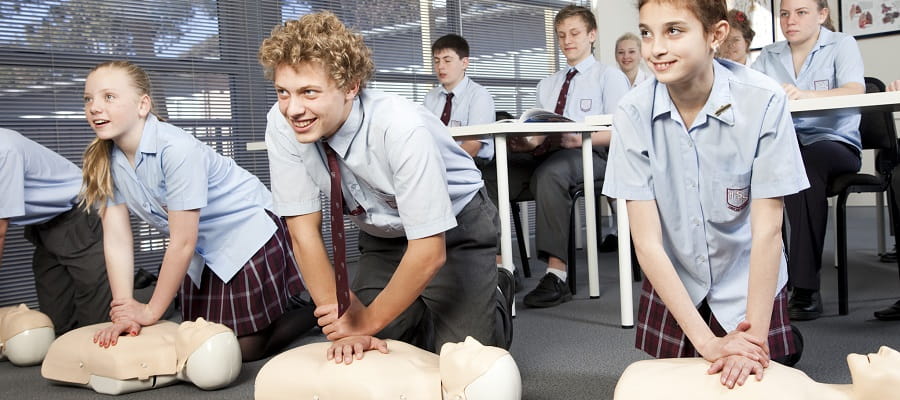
x=625, y=301
x=587, y=159
x=503, y=205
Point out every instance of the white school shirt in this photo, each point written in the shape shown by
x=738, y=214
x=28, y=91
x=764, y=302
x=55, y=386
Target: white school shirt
x=834, y=61
x=37, y=183
x=175, y=171
x=741, y=146
x=595, y=89
x=398, y=163
x=472, y=105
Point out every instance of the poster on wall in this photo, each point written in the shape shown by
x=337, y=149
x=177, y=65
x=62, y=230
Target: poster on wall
x=761, y=19
x=869, y=17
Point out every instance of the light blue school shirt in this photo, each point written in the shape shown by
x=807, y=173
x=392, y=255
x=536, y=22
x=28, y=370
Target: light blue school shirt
x=471, y=105
x=834, y=61
x=175, y=171
x=37, y=183
x=397, y=160
x=595, y=89
x=704, y=178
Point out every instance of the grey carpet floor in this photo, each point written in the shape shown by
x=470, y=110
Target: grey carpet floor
x=578, y=350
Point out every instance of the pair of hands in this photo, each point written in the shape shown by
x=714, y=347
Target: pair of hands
x=525, y=144
x=351, y=334
x=127, y=316
x=736, y=355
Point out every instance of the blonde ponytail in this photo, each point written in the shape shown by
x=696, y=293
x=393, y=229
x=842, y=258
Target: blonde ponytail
x=97, y=186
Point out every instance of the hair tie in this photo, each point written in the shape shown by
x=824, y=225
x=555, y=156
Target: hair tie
x=740, y=16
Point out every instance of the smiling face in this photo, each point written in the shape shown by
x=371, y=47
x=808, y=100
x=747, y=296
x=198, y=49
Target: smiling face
x=311, y=101
x=800, y=20
x=675, y=46
x=575, y=39
x=627, y=55
x=449, y=67
x=112, y=105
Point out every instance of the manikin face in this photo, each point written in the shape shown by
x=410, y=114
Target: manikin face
x=800, y=20
x=311, y=101
x=735, y=48
x=112, y=105
x=449, y=68
x=575, y=39
x=875, y=376
x=675, y=46
x=628, y=55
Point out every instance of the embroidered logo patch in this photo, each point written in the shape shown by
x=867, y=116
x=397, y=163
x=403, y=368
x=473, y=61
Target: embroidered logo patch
x=737, y=199
x=586, y=104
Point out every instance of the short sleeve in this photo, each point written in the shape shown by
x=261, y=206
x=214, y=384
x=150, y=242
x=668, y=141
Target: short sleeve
x=615, y=86
x=293, y=190
x=186, y=173
x=12, y=180
x=848, y=62
x=628, y=171
x=778, y=166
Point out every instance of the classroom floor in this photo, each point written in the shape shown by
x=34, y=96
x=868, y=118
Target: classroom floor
x=578, y=350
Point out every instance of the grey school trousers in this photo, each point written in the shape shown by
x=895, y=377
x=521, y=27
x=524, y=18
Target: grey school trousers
x=461, y=300
x=69, y=269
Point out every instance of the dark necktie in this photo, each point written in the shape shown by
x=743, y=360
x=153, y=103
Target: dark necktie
x=338, y=241
x=564, y=92
x=448, y=105
x=553, y=140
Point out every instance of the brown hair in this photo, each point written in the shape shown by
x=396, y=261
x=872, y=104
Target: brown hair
x=739, y=21
x=572, y=10
x=709, y=12
x=823, y=4
x=97, y=185
x=320, y=38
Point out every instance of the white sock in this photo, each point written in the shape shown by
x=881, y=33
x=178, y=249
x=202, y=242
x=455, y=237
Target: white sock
x=559, y=274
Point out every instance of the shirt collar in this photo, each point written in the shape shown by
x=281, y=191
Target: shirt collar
x=149, y=143
x=719, y=101
x=826, y=37
x=341, y=140
x=584, y=64
x=460, y=87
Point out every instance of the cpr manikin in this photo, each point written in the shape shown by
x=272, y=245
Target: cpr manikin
x=463, y=371
x=203, y=353
x=875, y=377
x=25, y=335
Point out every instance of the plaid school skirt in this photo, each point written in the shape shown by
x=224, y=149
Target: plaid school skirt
x=256, y=296
x=659, y=335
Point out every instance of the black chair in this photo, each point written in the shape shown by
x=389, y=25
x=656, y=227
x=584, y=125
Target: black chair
x=878, y=132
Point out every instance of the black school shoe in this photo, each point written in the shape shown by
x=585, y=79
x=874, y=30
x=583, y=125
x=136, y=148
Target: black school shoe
x=805, y=305
x=549, y=292
x=506, y=284
x=610, y=244
x=891, y=313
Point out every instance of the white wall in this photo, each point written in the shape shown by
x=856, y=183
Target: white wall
x=881, y=55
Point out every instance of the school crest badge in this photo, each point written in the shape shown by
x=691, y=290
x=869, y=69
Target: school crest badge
x=586, y=105
x=737, y=199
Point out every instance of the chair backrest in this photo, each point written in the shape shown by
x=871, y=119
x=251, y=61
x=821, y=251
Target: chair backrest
x=878, y=131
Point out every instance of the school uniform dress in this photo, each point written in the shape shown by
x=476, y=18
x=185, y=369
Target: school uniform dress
x=471, y=104
x=41, y=193
x=740, y=147
x=403, y=178
x=595, y=89
x=243, y=271
x=830, y=143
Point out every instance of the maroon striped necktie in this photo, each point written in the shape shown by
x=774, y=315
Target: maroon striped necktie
x=448, y=105
x=338, y=241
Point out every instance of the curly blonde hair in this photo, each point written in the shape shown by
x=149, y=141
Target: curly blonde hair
x=320, y=38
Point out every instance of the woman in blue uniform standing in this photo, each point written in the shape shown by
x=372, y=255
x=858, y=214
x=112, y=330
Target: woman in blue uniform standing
x=228, y=254
x=703, y=154
x=814, y=61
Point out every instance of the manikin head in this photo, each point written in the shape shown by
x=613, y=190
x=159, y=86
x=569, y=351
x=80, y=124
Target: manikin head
x=25, y=335
x=472, y=371
x=876, y=376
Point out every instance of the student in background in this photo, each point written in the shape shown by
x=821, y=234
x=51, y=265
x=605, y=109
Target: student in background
x=814, y=61
x=628, y=56
x=427, y=230
x=41, y=193
x=737, y=46
x=458, y=100
x=228, y=255
x=703, y=155
x=550, y=166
